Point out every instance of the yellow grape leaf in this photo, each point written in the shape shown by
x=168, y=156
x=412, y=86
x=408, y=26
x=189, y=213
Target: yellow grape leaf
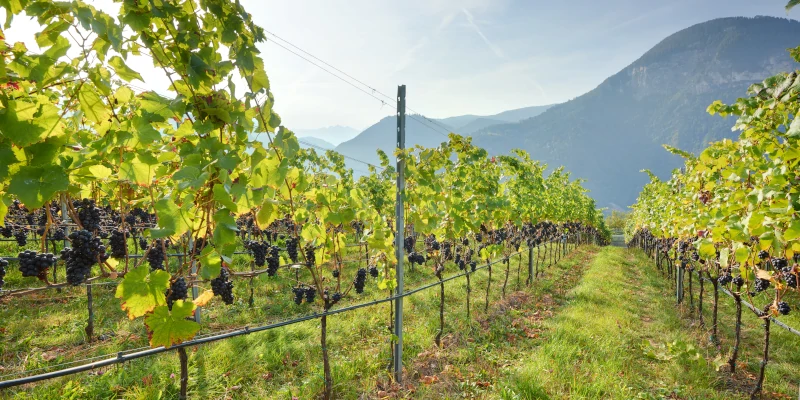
x=168, y=328
x=141, y=291
x=204, y=298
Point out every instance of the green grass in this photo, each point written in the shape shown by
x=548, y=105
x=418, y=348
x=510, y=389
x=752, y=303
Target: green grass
x=622, y=337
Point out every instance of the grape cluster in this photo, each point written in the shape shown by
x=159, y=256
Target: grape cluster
x=336, y=297
x=85, y=252
x=311, y=257
x=447, y=251
x=311, y=293
x=408, y=244
x=431, y=244
x=222, y=286
x=738, y=281
x=760, y=286
x=155, y=255
x=478, y=237
x=725, y=279
x=142, y=243
x=271, y=236
x=461, y=262
x=291, y=248
x=784, y=308
x=779, y=263
x=335, y=273
x=473, y=265
x=89, y=214
x=32, y=263
x=178, y=290
x=358, y=226
x=259, y=250
x=763, y=254
x=21, y=236
x=360, y=280
x=695, y=256
x=3, y=265
x=118, y=244
x=790, y=277
x=273, y=261
x=299, y=293
x=373, y=271
x=416, y=258
x=6, y=231
x=58, y=234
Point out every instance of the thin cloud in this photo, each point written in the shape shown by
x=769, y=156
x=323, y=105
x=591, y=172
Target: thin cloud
x=497, y=51
x=409, y=56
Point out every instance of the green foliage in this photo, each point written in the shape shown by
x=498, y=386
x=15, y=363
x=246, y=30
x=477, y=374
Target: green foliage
x=617, y=220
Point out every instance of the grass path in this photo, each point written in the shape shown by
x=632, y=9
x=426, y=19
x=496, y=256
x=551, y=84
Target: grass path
x=619, y=337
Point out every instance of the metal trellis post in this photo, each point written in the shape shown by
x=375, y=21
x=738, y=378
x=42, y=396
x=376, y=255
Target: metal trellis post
x=399, y=233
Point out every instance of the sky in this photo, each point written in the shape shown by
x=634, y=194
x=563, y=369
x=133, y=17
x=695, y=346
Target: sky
x=455, y=56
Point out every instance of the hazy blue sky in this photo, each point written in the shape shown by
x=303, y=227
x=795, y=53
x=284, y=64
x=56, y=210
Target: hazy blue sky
x=465, y=56
x=455, y=56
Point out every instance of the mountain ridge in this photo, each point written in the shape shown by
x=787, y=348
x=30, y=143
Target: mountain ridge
x=617, y=129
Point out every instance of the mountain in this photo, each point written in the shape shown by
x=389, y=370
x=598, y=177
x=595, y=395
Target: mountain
x=461, y=122
x=478, y=124
x=612, y=132
x=383, y=135
x=317, y=143
x=331, y=134
x=422, y=131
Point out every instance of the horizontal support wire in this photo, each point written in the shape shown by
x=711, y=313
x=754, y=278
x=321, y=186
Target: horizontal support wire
x=122, y=356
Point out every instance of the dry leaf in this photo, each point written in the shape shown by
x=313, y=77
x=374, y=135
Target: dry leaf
x=429, y=379
x=204, y=298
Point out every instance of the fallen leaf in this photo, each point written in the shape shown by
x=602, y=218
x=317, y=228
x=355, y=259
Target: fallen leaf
x=427, y=379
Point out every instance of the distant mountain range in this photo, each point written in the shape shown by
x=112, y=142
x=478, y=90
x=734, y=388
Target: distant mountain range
x=609, y=134
x=316, y=143
x=612, y=132
x=331, y=134
x=420, y=131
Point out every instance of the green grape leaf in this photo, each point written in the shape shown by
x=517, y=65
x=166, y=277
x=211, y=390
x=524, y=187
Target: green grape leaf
x=267, y=214
x=793, y=232
x=139, y=170
x=100, y=171
x=224, y=198
x=766, y=240
x=210, y=263
x=123, y=70
x=742, y=254
x=142, y=291
x=172, y=221
x=25, y=123
x=707, y=249
x=168, y=328
x=225, y=228
x=36, y=185
x=146, y=133
x=92, y=105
